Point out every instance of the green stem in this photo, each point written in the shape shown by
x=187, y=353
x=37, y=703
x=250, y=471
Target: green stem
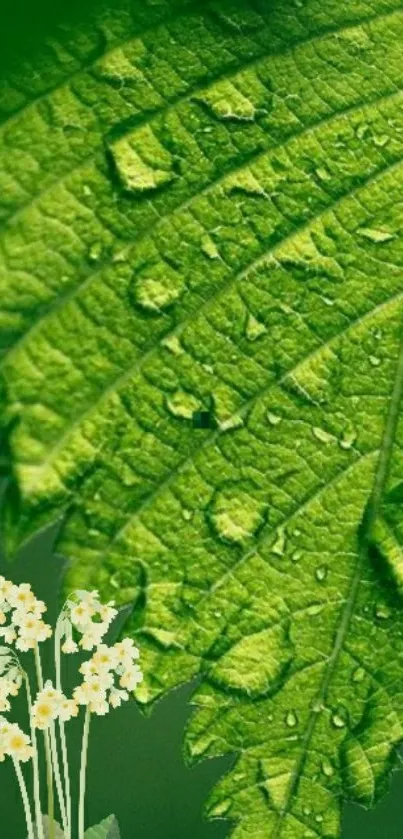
x=83, y=767
x=48, y=757
x=25, y=799
x=35, y=762
x=56, y=770
x=62, y=733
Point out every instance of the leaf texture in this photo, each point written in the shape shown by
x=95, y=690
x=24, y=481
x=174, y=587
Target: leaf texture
x=201, y=313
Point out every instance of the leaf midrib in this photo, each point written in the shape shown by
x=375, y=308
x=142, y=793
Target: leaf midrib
x=364, y=536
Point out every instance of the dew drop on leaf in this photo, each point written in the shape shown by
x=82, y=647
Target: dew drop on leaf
x=322, y=435
x=338, y=720
x=278, y=547
x=321, y=573
x=375, y=361
x=382, y=612
x=273, y=419
x=291, y=719
x=254, y=328
x=173, y=344
x=358, y=674
x=156, y=288
x=236, y=515
x=141, y=162
x=348, y=439
x=209, y=247
x=327, y=768
x=376, y=235
x=182, y=404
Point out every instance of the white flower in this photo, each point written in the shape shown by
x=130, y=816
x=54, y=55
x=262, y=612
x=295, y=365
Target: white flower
x=8, y=633
x=131, y=677
x=14, y=742
x=68, y=708
x=93, y=635
x=45, y=709
x=5, y=588
x=69, y=646
x=105, y=658
x=99, y=707
x=117, y=696
x=126, y=651
x=107, y=613
x=81, y=614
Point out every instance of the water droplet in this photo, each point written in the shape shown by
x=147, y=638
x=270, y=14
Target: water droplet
x=291, y=719
x=319, y=818
x=318, y=706
x=348, y=439
x=173, y=344
x=381, y=140
x=236, y=421
x=157, y=287
x=182, y=404
x=95, y=252
x=321, y=573
x=187, y=514
x=296, y=556
x=374, y=360
x=246, y=182
x=382, y=612
x=358, y=674
x=362, y=130
x=327, y=768
x=141, y=162
x=209, y=247
x=226, y=102
x=273, y=419
x=376, y=235
x=339, y=720
x=328, y=301
x=323, y=173
x=254, y=328
x=315, y=609
x=307, y=811
x=322, y=435
x=237, y=514
x=278, y=546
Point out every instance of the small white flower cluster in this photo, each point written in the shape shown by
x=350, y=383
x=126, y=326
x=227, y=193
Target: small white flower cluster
x=51, y=704
x=21, y=616
x=87, y=616
x=14, y=742
x=104, y=668
x=10, y=678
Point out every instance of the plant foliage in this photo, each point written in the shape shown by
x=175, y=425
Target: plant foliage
x=201, y=312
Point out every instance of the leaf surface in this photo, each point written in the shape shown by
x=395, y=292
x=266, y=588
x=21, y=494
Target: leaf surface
x=106, y=829
x=201, y=311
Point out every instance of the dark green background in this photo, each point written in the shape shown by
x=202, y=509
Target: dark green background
x=136, y=767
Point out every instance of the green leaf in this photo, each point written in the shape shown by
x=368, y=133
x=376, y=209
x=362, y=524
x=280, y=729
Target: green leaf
x=201, y=310
x=46, y=824
x=106, y=829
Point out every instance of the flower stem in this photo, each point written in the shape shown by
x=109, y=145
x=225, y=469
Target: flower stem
x=35, y=762
x=25, y=799
x=56, y=770
x=49, y=770
x=62, y=733
x=83, y=767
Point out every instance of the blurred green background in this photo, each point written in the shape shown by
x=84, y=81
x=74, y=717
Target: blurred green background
x=136, y=767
